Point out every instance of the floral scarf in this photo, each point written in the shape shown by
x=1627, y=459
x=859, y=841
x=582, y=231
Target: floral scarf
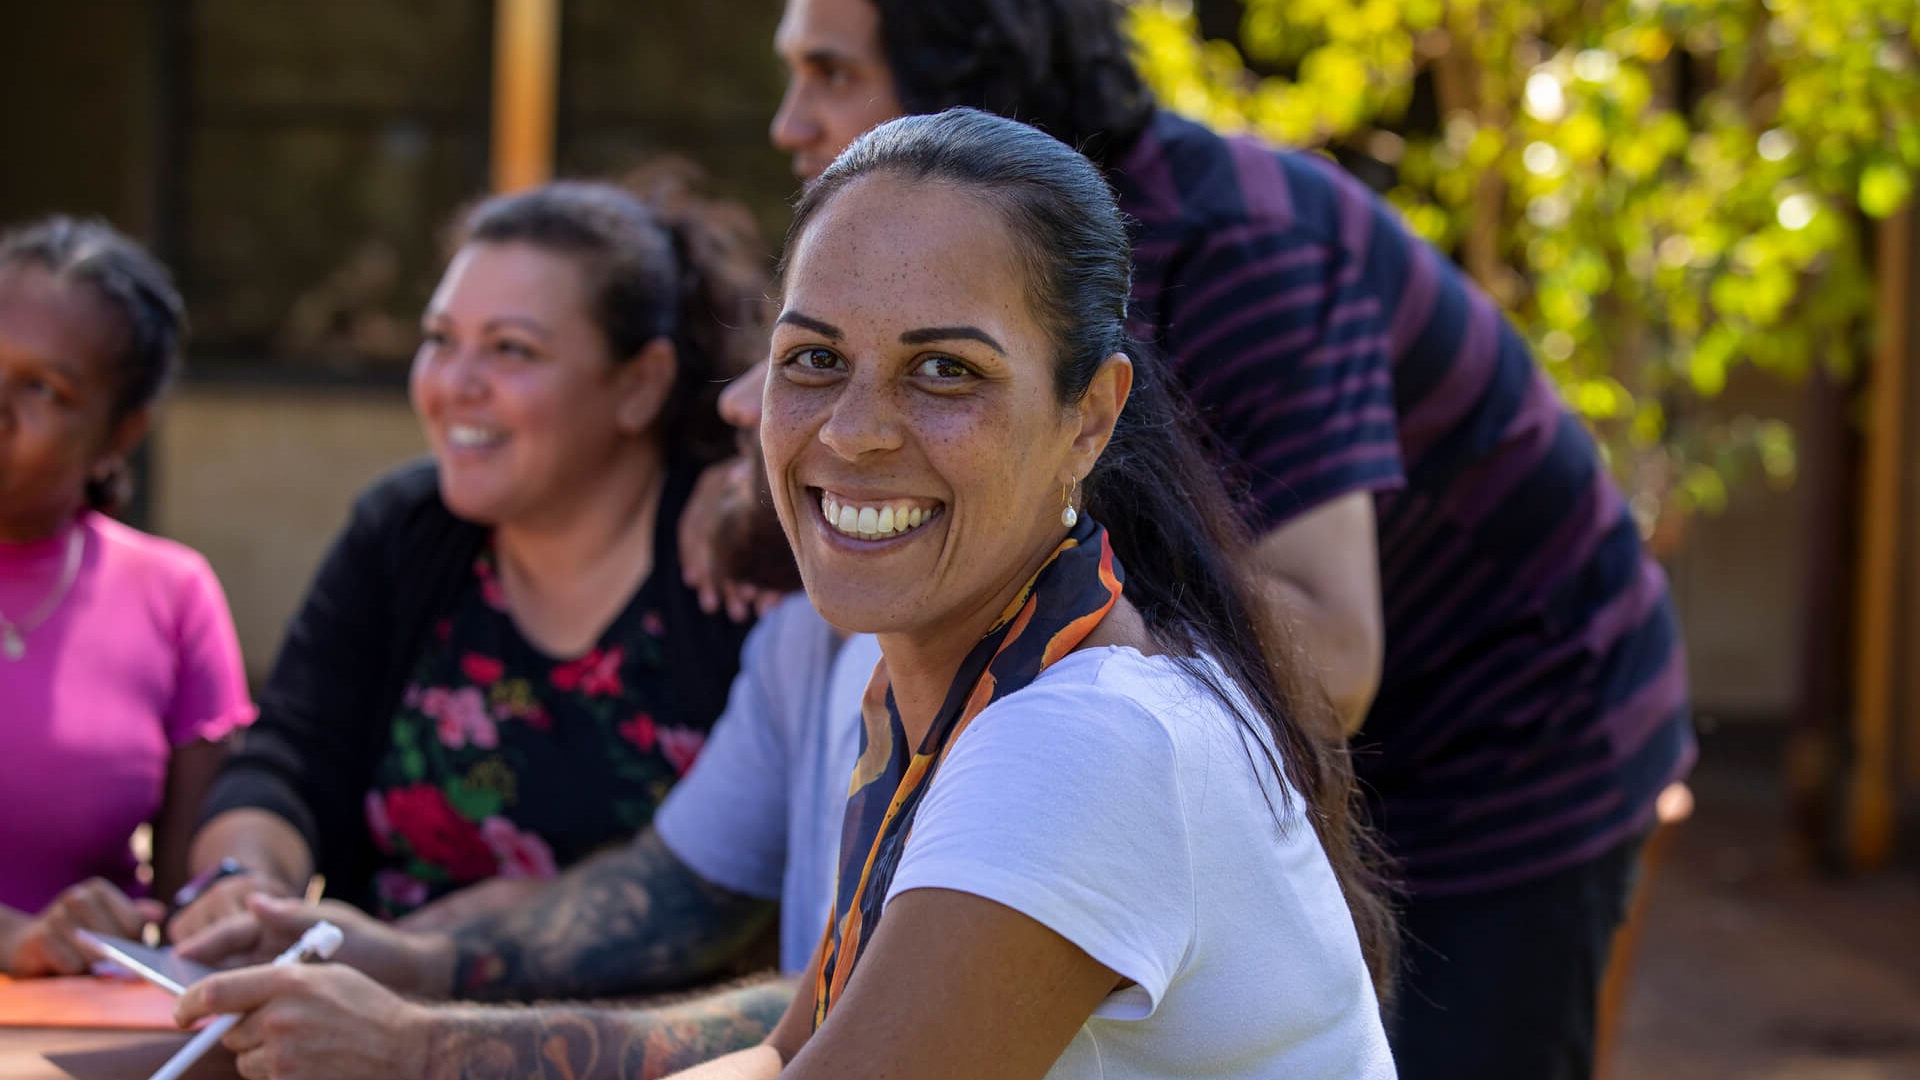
x=1053, y=613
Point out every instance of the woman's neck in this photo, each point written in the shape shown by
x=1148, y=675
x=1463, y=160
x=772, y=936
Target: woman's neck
x=921, y=677
x=43, y=528
x=569, y=574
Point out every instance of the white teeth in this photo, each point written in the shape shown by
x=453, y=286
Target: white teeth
x=463, y=435
x=871, y=522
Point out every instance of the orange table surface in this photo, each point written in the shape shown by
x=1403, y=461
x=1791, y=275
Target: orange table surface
x=85, y=1002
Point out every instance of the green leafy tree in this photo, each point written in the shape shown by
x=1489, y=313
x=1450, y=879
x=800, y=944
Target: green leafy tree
x=1656, y=190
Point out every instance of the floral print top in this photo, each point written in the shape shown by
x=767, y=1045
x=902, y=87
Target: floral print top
x=507, y=762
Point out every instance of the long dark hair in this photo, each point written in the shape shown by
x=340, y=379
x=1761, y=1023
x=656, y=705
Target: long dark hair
x=663, y=261
x=137, y=289
x=1059, y=65
x=1172, y=525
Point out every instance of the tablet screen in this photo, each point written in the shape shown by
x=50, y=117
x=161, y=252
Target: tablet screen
x=158, y=966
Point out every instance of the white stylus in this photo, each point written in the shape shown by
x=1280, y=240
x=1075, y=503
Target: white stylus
x=320, y=941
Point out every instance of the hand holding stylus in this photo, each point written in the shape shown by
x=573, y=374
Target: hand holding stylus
x=313, y=1022
x=320, y=941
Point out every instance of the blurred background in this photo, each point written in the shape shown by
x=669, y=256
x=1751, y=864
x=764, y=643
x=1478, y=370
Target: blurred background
x=1697, y=210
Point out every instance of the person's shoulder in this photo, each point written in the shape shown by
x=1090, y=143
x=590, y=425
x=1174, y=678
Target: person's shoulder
x=1123, y=671
x=406, y=489
x=792, y=625
x=1178, y=176
x=1115, y=693
x=1181, y=175
x=1105, y=723
x=152, y=556
x=405, y=503
x=1188, y=706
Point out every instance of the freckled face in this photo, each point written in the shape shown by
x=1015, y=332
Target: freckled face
x=913, y=439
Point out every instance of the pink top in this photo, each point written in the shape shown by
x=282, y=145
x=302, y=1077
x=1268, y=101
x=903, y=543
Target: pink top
x=140, y=657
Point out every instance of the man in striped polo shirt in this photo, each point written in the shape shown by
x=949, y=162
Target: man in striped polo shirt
x=1437, y=526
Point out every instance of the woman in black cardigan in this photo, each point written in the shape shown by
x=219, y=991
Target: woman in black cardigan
x=497, y=670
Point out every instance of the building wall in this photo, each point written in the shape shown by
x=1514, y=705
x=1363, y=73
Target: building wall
x=260, y=480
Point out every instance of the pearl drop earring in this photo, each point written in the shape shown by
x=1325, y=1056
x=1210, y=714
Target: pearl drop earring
x=1069, y=516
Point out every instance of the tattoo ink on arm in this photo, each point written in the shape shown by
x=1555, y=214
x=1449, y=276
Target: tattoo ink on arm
x=635, y=920
x=561, y=1043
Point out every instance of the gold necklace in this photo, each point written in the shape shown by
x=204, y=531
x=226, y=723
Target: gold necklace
x=13, y=640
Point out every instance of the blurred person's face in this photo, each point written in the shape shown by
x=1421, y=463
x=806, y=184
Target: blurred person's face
x=748, y=537
x=516, y=387
x=59, y=343
x=839, y=84
x=917, y=450
x=740, y=406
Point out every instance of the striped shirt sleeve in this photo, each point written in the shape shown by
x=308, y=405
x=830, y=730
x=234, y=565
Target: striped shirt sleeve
x=1284, y=351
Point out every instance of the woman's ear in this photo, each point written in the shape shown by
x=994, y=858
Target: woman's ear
x=1099, y=410
x=643, y=384
x=126, y=435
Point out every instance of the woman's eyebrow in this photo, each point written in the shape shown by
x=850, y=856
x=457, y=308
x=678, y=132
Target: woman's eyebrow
x=808, y=322
x=64, y=370
x=931, y=334
x=522, y=322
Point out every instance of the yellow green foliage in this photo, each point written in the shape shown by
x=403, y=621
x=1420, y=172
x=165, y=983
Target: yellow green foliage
x=1659, y=191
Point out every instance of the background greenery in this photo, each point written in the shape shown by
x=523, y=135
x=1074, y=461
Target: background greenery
x=1656, y=190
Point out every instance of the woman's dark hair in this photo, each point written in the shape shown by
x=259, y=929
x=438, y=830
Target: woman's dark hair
x=137, y=289
x=663, y=261
x=1059, y=65
x=1173, y=527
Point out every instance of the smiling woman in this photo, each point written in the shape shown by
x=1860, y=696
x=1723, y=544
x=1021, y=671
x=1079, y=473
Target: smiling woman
x=1093, y=831
x=911, y=380
x=498, y=671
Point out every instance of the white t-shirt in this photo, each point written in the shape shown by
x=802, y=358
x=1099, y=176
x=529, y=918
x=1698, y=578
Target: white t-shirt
x=1114, y=801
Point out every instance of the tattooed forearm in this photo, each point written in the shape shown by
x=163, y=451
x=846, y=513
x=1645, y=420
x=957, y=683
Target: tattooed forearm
x=601, y=1044
x=628, y=921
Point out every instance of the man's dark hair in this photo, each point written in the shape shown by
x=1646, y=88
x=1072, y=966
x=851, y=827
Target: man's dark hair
x=1059, y=65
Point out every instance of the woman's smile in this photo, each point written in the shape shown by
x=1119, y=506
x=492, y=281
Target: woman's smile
x=474, y=437
x=874, y=519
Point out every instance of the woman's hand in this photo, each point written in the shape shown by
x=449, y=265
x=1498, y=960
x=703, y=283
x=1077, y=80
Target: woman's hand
x=274, y=853
x=313, y=1022
x=408, y=962
x=720, y=493
x=222, y=900
x=45, y=944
